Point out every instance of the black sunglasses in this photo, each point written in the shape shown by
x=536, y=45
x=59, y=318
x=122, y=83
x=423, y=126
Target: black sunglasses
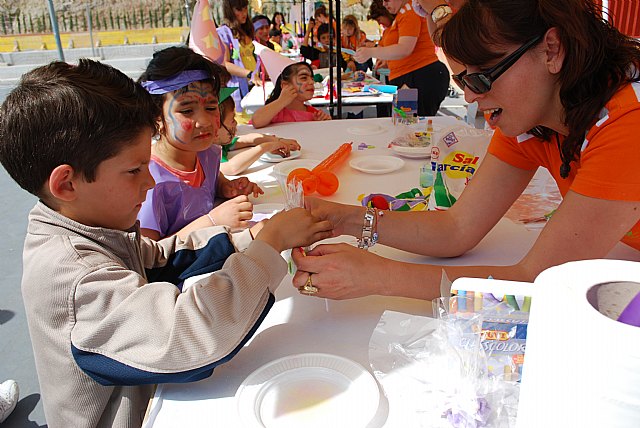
x=480, y=83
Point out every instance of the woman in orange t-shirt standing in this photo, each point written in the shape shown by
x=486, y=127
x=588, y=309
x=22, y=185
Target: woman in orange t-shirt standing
x=411, y=57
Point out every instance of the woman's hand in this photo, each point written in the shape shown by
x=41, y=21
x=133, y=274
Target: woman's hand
x=341, y=271
x=234, y=213
x=381, y=63
x=363, y=54
x=344, y=218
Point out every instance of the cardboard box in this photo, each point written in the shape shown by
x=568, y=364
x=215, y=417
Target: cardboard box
x=405, y=105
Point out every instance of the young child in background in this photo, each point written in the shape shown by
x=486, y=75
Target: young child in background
x=259, y=143
x=353, y=38
x=275, y=37
x=261, y=27
x=184, y=161
x=319, y=55
x=287, y=103
x=106, y=317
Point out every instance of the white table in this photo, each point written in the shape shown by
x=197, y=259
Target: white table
x=258, y=94
x=300, y=324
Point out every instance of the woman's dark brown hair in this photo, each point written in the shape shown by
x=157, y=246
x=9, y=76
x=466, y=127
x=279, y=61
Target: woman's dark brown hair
x=377, y=9
x=599, y=60
x=238, y=30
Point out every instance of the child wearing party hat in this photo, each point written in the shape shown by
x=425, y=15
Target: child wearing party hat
x=185, y=161
x=293, y=87
x=256, y=144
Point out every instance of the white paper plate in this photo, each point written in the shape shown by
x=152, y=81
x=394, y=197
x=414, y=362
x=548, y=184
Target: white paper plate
x=265, y=211
x=366, y=129
x=308, y=390
x=412, y=152
x=376, y=164
x=273, y=158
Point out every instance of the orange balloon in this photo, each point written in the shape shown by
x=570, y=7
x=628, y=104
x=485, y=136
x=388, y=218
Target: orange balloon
x=327, y=183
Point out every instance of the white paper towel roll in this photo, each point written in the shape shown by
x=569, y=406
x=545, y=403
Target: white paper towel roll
x=581, y=368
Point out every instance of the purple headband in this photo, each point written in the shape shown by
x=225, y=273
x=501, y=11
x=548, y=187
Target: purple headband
x=180, y=80
x=260, y=23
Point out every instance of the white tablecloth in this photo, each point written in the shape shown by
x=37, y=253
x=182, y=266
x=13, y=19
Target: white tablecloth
x=300, y=324
x=258, y=94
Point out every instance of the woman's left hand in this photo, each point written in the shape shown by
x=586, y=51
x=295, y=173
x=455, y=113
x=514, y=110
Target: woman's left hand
x=341, y=271
x=363, y=54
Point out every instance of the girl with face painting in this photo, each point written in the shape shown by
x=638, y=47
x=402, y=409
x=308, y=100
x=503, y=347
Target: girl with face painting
x=185, y=162
x=287, y=103
x=237, y=35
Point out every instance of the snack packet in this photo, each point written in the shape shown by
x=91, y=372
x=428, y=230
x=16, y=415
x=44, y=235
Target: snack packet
x=456, y=154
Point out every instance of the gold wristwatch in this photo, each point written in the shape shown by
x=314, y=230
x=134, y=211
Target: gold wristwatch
x=439, y=12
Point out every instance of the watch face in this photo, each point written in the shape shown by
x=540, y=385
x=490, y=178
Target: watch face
x=440, y=12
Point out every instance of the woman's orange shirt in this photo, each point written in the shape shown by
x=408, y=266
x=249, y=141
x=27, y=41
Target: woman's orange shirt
x=409, y=24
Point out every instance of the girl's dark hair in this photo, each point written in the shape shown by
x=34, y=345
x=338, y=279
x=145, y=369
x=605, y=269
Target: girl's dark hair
x=176, y=59
x=286, y=75
x=273, y=20
x=599, y=60
x=377, y=9
x=226, y=106
x=238, y=30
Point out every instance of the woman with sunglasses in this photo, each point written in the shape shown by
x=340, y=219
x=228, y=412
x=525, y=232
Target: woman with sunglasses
x=562, y=87
x=411, y=57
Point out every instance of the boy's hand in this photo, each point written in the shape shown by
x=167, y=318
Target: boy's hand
x=234, y=213
x=320, y=115
x=291, y=143
x=288, y=93
x=280, y=146
x=240, y=186
x=276, y=147
x=294, y=228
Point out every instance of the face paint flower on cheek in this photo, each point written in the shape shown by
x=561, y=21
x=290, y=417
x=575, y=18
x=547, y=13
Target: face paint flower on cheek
x=187, y=125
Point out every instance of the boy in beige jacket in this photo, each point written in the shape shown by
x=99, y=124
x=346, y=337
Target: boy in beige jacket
x=105, y=311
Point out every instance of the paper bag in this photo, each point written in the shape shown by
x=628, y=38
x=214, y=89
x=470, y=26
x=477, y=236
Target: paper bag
x=456, y=154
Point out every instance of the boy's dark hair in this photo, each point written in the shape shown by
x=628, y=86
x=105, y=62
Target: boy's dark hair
x=78, y=115
x=323, y=29
x=176, y=59
x=286, y=75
